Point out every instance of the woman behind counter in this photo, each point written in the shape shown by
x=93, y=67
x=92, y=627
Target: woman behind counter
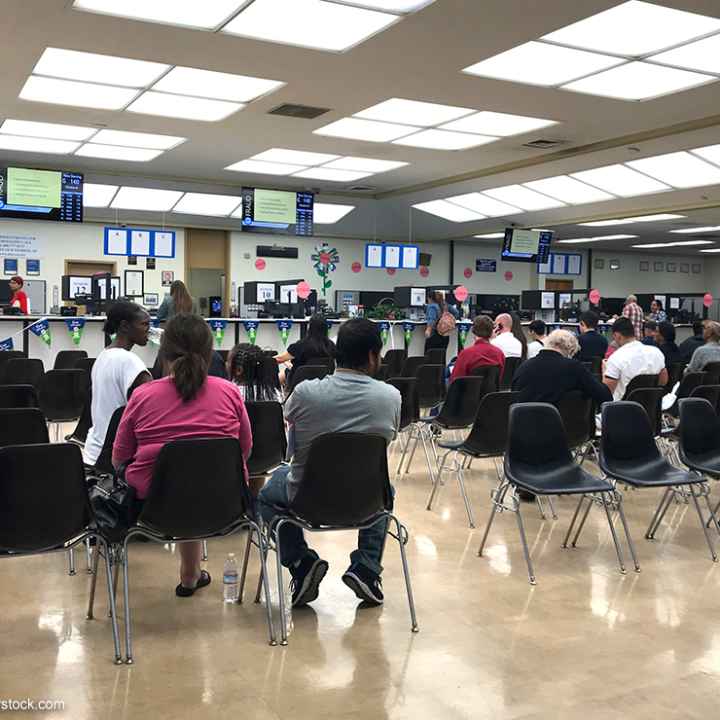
x=178, y=301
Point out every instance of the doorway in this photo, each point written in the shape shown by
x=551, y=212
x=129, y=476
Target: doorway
x=207, y=258
x=86, y=268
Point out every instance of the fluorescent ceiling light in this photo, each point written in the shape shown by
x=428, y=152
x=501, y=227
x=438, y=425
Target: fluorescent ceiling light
x=264, y=168
x=117, y=152
x=216, y=85
x=703, y=55
x=309, y=23
x=320, y=173
x=294, y=157
x=369, y=130
x=629, y=220
x=483, y=205
x=689, y=231
x=491, y=236
x=413, y=112
x=675, y=244
x=638, y=81
x=568, y=190
x=576, y=241
x=400, y=6
x=716, y=250
x=634, y=28
x=620, y=180
x=498, y=124
x=138, y=198
x=52, y=131
x=523, y=197
x=328, y=213
x=207, y=204
x=365, y=164
x=205, y=15
x=678, y=169
x=97, y=195
x=150, y=141
x=448, y=211
x=711, y=153
x=79, y=94
x=444, y=140
x=38, y=145
x=537, y=63
x=92, y=67
x=181, y=106
x=604, y=223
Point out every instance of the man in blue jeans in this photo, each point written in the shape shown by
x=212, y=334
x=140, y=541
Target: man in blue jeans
x=348, y=401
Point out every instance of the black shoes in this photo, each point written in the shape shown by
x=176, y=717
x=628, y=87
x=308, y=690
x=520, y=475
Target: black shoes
x=306, y=579
x=365, y=584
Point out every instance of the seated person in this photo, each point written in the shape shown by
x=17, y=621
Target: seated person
x=592, y=343
x=505, y=339
x=254, y=373
x=656, y=311
x=631, y=359
x=650, y=333
x=666, y=343
x=689, y=346
x=348, y=401
x=538, y=333
x=117, y=372
x=554, y=372
x=313, y=347
x=482, y=353
x=710, y=351
x=186, y=404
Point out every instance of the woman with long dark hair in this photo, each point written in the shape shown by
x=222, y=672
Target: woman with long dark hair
x=178, y=301
x=315, y=347
x=185, y=404
x=254, y=373
x=518, y=332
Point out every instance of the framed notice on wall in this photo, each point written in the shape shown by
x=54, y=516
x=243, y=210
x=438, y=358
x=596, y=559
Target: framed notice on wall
x=134, y=283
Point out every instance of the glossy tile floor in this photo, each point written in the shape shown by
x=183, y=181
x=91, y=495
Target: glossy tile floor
x=586, y=642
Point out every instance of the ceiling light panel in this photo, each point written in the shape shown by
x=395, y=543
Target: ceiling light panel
x=483, y=205
x=207, y=204
x=498, y=124
x=97, y=195
x=399, y=6
x=205, y=15
x=690, y=231
x=448, y=211
x=320, y=173
x=702, y=55
x=92, y=67
x=413, y=112
x=634, y=28
x=491, y=236
x=620, y=180
x=295, y=157
x=443, y=140
x=264, y=168
x=568, y=190
x=52, y=131
x=576, y=241
x=215, y=85
x=368, y=130
x=151, y=199
x=361, y=164
x=536, y=63
x=37, y=145
x=138, y=139
x=604, y=223
x=716, y=250
x=329, y=214
x=78, y=94
x=679, y=170
x=309, y=23
x=710, y=153
x=638, y=81
x=675, y=244
x=117, y=152
x=523, y=197
x=183, y=107
x=629, y=220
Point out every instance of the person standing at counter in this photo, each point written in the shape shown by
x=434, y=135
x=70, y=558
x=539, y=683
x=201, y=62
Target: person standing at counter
x=633, y=312
x=18, y=299
x=178, y=301
x=436, y=308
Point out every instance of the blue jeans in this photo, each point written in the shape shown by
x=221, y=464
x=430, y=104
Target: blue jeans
x=292, y=539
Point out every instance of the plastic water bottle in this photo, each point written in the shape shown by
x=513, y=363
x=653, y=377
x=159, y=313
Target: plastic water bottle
x=231, y=584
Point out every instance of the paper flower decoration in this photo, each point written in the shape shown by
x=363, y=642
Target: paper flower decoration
x=325, y=260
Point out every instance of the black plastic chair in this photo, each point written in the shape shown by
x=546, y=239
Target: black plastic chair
x=641, y=381
x=79, y=434
x=24, y=371
x=62, y=396
x=395, y=359
x=409, y=415
x=491, y=377
x=103, y=464
x=86, y=363
x=436, y=356
x=18, y=396
x=345, y=486
x=711, y=393
x=511, y=366
x=412, y=364
x=688, y=384
x=675, y=373
x=651, y=400
x=383, y=373
x=45, y=508
x=322, y=360
x=712, y=370
x=5, y=357
x=269, y=438
x=576, y=412
x=307, y=372
x=67, y=359
x=629, y=455
x=538, y=461
x=430, y=385
x=22, y=426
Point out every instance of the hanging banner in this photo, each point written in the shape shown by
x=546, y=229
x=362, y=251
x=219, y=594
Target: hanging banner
x=463, y=329
x=7, y=344
x=218, y=329
x=251, y=329
x=42, y=329
x=408, y=328
x=75, y=328
x=284, y=327
x=384, y=331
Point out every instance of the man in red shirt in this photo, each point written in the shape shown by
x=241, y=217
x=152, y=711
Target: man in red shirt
x=635, y=314
x=482, y=353
x=19, y=298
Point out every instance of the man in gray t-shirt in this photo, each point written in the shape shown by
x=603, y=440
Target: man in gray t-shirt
x=348, y=401
x=708, y=353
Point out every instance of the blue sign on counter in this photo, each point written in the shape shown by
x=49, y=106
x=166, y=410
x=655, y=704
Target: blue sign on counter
x=485, y=265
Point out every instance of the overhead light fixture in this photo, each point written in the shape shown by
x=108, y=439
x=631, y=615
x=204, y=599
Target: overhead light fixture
x=309, y=23
x=604, y=223
x=97, y=195
x=483, y=205
x=690, y=231
x=320, y=173
x=448, y=211
x=50, y=131
x=634, y=28
x=183, y=107
x=207, y=204
x=715, y=250
x=400, y=6
x=118, y=152
x=329, y=213
x=361, y=164
x=264, y=168
x=151, y=141
x=523, y=197
x=444, y=140
x=78, y=94
x=568, y=190
x=537, y=63
x=630, y=220
x=498, y=124
x=294, y=157
x=38, y=145
x=150, y=199
x=413, y=112
x=620, y=180
x=678, y=169
x=702, y=55
x=215, y=85
x=368, y=130
x=711, y=153
x=491, y=236
x=675, y=244
x=577, y=241
x=638, y=81
x=95, y=68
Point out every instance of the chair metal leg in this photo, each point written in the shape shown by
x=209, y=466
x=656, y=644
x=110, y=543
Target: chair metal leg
x=126, y=597
x=526, y=551
x=541, y=508
x=582, y=522
x=93, y=582
x=266, y=583
x=405, y=447
x=552, y=507
x=713, y=513
x=412, y=454
x=436, y=481
x=713, y=554
x=713, y=516
x=652, y=527
x=243, y=572
x=281, y=589
x=498, y=496
x=427, y=456
x=114, y=562
x=88, y=555
x=402, y=538
x=574, y=518
x=623, y=520
x=204, y=551
x=621, y=562
x=71, y=561
x=466, y=500
x=111, y=599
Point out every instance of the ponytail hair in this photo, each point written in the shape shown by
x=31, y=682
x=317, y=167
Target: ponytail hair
x=187, y=348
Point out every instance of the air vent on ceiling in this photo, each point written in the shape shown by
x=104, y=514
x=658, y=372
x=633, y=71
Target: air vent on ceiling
x=544, y=144
x=305, y=112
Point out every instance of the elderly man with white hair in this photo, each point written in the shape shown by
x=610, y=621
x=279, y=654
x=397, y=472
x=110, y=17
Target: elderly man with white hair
x=634, y=313
x=553, y=373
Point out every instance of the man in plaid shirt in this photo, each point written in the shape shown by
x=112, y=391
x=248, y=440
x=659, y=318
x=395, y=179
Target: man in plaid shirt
x=634, y=313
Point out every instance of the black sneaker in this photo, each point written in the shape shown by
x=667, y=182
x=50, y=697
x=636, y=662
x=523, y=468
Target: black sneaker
x=365, y=584
x=306, y=579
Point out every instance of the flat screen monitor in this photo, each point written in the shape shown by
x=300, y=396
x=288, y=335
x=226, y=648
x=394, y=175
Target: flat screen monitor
x=74, y=285
x=277, y=211
x=288, y=293
x=530, y=246
x=41, y=194
x=114, y=289
x=417, y=297
x=5, y=292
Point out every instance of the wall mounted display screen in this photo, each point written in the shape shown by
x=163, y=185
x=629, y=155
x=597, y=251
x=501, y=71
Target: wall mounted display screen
x=277, y=211
x=526, y=245
x=41, y=194
x=398, y=257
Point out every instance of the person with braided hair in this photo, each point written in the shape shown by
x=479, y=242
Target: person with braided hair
x=254, y=373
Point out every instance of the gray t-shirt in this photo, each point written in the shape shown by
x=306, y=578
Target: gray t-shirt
x=343, y=402
x=710, y=352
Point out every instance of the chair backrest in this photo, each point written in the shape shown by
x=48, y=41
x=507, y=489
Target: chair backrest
x=5, y=357
x=536, y=438
x=224, y=355
x=307, y=372
x=270, y=353
x=675, y=373
x=491, y=377
x=395, y=359
x=436, y=356
x=711, y=393
x=63, y=394
x=430, y=385
x=461, y=404
x=103, y=463
x=43, y=496
x=322, y=360
x=511, y=365
x=24, y=371
x=198, y=488
x=699, y=429
x=18, y=396
x=597, y=366
x=641, y=381
x=22, y=426
x=67, y=359
x=412, y=364
x=651, y=400
x=410, y=407
x=690, y=382
x=489, y=434
x=382, y=373
x=627, y=436
x=713, y=372
x=345, y=480
x=576, y=412
x=269, y=438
